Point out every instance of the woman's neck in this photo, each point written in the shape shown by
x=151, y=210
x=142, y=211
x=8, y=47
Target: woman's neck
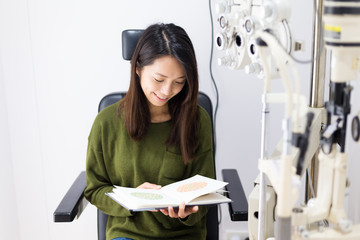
x=159, y=114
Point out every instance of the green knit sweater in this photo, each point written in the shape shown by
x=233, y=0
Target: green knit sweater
x=114, y=159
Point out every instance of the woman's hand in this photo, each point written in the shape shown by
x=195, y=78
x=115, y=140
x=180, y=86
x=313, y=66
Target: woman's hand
x=147, y=185
x=182, y=212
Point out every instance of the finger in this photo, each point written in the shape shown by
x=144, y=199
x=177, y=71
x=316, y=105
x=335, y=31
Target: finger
x=182, y=213
x=143, y=185
x=165, y=211
x=147, y=185
x=193, y=209
x=172, y=212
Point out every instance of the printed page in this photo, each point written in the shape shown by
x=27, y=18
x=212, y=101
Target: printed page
x=193, y=187
x=134, y=198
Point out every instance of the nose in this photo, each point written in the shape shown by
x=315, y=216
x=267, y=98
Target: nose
x=166, y=89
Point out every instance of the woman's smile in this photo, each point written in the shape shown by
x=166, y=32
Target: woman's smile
x=160, y=98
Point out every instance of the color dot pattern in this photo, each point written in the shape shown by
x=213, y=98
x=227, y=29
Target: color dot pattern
x=148, y=196
x=191, y=187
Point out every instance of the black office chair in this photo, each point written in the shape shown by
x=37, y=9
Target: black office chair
x=74, y=201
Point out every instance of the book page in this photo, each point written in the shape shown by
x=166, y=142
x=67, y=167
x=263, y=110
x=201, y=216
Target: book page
x=193, y=187
x=134, y=198
x=209, y=199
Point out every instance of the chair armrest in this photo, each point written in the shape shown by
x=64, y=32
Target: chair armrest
x=74, y=202
x=238, y=208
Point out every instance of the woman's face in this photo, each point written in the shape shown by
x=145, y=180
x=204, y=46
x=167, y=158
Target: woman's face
x=161, y=81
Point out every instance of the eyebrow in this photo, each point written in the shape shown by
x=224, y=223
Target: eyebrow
x=162, y=75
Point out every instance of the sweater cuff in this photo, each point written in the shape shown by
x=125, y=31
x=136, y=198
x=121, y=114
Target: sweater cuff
x=194, y=218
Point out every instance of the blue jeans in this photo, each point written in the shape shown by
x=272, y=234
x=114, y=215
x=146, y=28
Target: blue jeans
x=121, y=238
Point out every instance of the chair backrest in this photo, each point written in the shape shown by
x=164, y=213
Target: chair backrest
x=212, y=224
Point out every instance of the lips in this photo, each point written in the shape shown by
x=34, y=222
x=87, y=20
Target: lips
x=160, y=98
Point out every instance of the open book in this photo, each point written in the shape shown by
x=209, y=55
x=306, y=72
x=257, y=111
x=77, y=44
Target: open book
x=197, y=190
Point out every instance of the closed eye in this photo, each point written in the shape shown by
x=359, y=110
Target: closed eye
x=181, y=83
x=158, y=80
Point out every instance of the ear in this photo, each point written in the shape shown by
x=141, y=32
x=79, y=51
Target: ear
x=138, y=71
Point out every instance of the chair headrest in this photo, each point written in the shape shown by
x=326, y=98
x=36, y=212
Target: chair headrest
x=130, y=38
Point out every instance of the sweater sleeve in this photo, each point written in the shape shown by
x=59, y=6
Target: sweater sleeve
x=97, y=179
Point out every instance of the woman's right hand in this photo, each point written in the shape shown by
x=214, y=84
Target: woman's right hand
x=147, y=185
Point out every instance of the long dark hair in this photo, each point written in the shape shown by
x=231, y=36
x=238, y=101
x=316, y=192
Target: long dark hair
x=160, y=40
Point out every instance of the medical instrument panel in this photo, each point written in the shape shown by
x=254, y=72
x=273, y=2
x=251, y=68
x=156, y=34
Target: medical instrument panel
x=256, y=37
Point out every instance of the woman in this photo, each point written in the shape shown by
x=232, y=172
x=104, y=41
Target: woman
x=155, y=136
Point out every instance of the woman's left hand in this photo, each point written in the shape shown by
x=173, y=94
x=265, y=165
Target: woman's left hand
x=182, y=212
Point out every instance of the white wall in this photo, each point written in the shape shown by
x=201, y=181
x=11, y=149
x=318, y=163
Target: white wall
x=58, y=58
x=9, y=214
